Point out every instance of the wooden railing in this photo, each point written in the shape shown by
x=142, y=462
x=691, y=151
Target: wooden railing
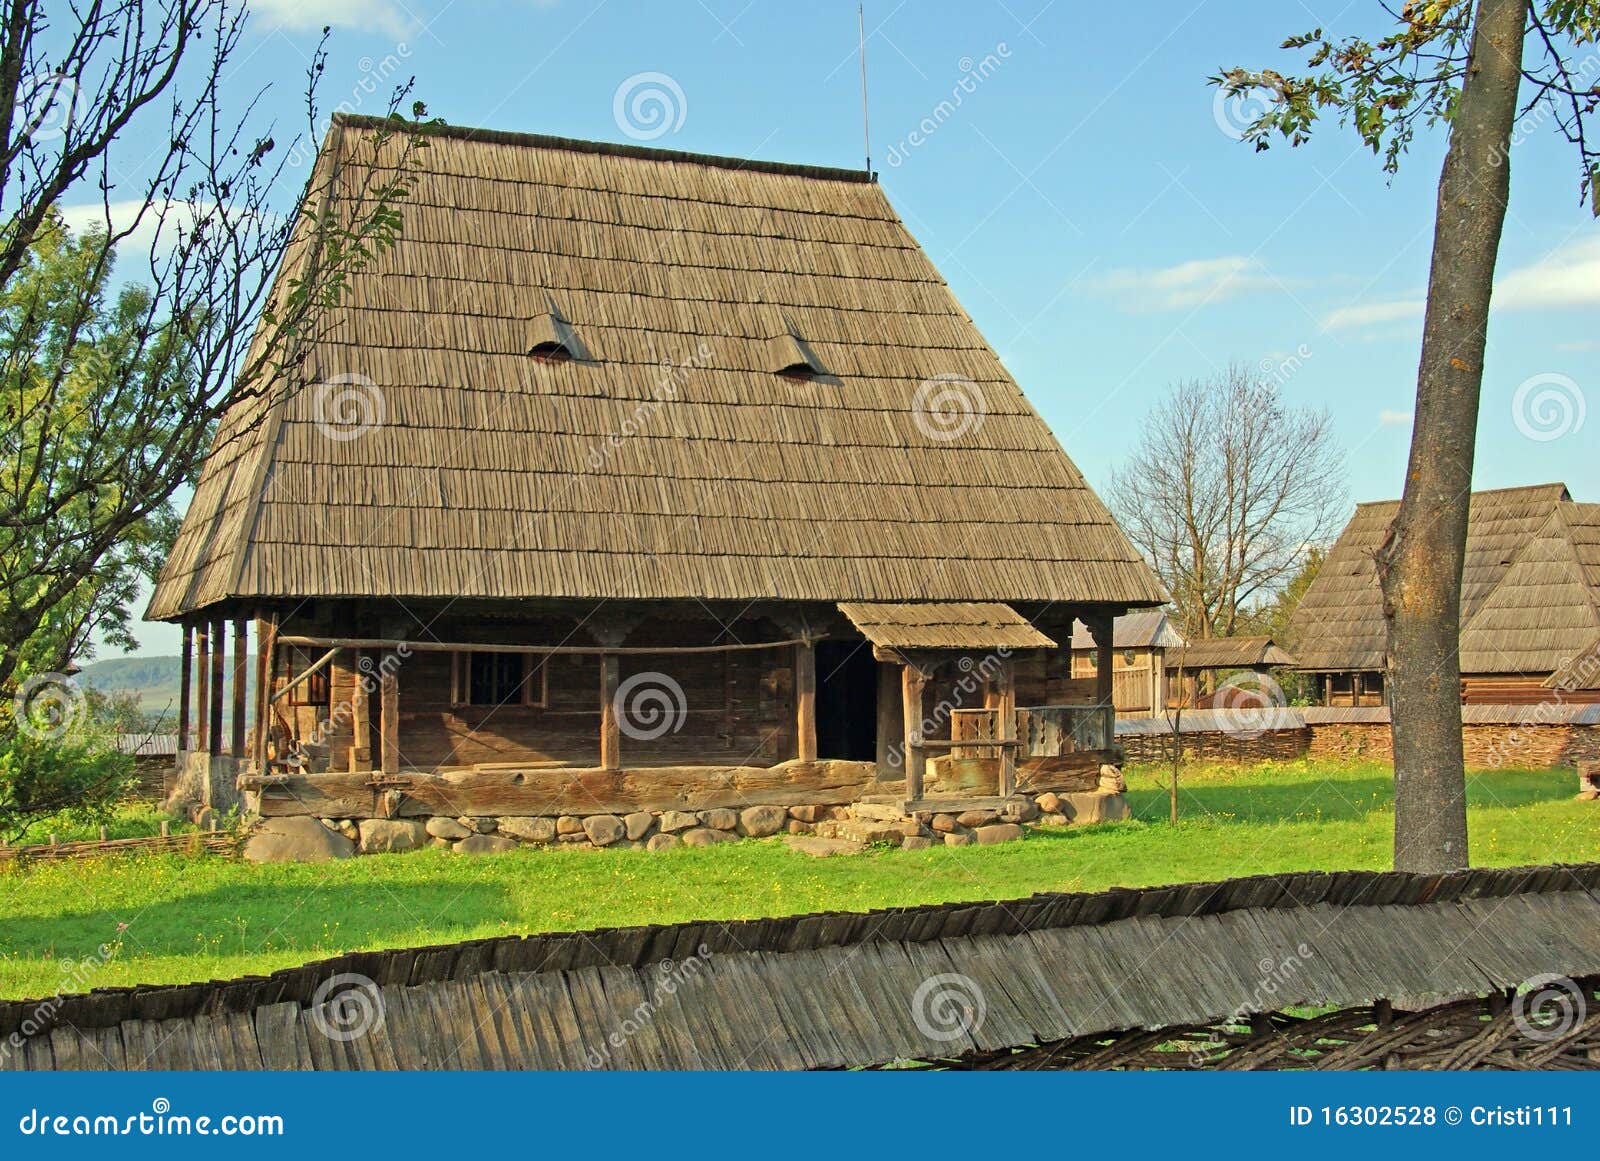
x=1048, y=731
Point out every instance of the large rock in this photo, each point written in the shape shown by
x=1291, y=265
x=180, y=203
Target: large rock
x=484, y=844
x=296, y=840
x=877, y=812
x=958, y=840
x=761, y=821
x=638, y=824
x=569, y=824
x=916, y=843
x=1093, y=806
x=975, y=818
x=1048, y=803
x=528, y=830
x=1111, y=780
x=1019, y=809
x=1000, y=832
x=705, y=836
x=810, y=813
x=722, y=818
x=603, y=829
x=387, y=835
x=673, y=821
x=822, y=848
x=441, y=827
x=946, y=824
x=663, y=842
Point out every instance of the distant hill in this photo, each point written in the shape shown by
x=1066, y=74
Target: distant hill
x=156, y=681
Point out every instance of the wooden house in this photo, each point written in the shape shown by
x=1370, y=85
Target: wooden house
x=1143, y=644
x=1195, y=671
x=677, y=481
x=1530, y=602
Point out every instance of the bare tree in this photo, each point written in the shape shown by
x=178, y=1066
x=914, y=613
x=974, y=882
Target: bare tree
x=1225, y=491
x=113, y=386
x=1460, y=63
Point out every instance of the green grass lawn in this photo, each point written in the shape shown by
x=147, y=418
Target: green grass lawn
x=174, y=919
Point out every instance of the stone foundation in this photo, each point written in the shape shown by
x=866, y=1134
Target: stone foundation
x=859, y=824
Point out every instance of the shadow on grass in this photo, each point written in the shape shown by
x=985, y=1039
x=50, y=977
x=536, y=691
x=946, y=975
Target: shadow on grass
x=1330, y=799
x=264, y=917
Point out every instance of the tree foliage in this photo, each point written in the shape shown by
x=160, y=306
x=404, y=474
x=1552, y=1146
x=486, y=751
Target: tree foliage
x=1387, y=88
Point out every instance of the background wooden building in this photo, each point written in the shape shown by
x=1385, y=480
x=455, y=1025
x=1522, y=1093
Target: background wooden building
x=631, y=477
x=1530, y=602
x=1143, y=645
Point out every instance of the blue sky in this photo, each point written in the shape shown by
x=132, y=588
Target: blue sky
x=1085, y=199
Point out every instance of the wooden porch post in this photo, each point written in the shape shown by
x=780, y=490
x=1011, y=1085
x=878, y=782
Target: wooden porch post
x=805, y=700
x=912, y=682
x=1104, y=652
x=389, y=716
x=361, y=715
x=891, y=722
x=185, y=692
x=266, y=637
x=202, y=701
x=1005, y=705
x=219, y=659
x=241, y=665
x=610, y=724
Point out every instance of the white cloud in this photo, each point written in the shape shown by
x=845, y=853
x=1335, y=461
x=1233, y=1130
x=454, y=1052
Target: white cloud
x=1188, y=284
x=1569, y=277
x=1562, y=278
x=385, y=16
x=1387, y=418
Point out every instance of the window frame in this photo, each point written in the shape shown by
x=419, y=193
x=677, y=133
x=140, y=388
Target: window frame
x=534, y=683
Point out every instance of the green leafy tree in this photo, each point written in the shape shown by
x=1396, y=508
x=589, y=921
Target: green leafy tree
x=1457, y=64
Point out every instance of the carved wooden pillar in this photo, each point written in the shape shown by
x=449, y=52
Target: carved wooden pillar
x=266, y=644
x=1100, y=629
x=891, y=723
x=389, y=715
x=912, y=683
x=185, y=692
x=241, y=665
x=202, y=700
x=1005, y=706
x=361, y=716
x=610, y=722
x=805, y=701
x=219, y=658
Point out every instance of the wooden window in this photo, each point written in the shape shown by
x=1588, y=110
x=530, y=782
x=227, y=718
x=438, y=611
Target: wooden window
x=499, y=679
x=314, y=690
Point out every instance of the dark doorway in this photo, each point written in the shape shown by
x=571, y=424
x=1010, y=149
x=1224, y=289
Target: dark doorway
x=847, y=701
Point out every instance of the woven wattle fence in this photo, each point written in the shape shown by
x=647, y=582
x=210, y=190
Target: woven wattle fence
x=1483, y=968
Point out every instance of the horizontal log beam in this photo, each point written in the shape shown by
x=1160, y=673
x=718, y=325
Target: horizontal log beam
x=586, y=790
x=487, y=647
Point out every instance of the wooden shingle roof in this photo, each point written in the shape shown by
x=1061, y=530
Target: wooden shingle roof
x=944, y=625
x=670, y=461
x=1230, y=653
x=1339, y=624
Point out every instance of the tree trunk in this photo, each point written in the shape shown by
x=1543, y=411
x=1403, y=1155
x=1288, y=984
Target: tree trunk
x=1420, y=561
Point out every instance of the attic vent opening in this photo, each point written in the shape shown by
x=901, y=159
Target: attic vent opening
x=551, y=339
x=791, y=357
